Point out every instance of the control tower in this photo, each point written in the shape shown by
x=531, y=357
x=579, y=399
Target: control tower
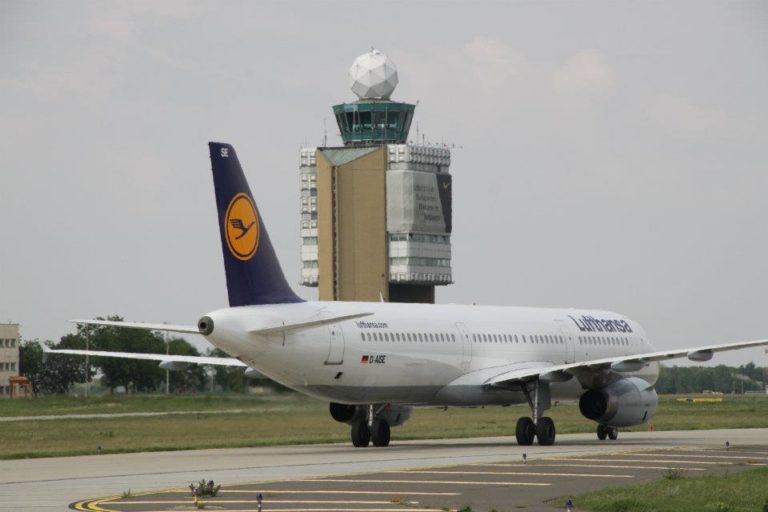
x=376, y=212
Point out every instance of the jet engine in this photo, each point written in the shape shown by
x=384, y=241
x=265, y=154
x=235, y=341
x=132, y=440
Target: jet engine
x=394, y=415
x=343, y=413
x=624, y=403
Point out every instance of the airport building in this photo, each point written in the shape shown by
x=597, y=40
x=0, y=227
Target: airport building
x=9, y=356
x=376, y=212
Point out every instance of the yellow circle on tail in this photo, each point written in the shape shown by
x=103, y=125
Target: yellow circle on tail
x=241, y=226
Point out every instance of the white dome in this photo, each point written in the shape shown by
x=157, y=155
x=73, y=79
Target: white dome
x=373, y=76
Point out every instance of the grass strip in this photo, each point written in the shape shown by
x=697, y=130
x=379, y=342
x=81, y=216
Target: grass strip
x=294, y=419
x=743, y=491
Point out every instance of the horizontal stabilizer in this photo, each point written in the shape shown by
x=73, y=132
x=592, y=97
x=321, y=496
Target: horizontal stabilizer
x=164, y=358
x=306, y=325
x=188, y=329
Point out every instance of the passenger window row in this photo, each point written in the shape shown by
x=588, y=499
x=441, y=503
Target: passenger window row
x=544, y=339
x=409, y=337
x=597, y=340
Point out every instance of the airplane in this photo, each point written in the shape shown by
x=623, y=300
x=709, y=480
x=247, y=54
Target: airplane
x=374, y=362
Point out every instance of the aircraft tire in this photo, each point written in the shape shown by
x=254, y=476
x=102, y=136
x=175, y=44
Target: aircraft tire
x=380, y=433
x=602, y=432
x=361, y=435
x=525, y=431
x=613, y=433
x=545, y=431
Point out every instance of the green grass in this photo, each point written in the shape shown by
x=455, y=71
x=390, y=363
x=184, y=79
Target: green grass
x=110, y=404
x=744, y=491
x=291, y=419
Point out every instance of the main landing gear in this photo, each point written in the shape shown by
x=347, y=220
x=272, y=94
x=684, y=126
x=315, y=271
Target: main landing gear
x=539, y=427
x=604, y=431
x=370, y=429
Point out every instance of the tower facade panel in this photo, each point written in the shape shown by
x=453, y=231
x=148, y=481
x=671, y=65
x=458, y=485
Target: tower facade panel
x=308, y=179
x=352, y=240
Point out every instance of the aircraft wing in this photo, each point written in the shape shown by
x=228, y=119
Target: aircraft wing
x=628, y=363
x=189, y=329
x=164, y=358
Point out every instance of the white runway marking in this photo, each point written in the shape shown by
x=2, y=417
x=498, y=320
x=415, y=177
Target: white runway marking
x=389, y=493
x=520, y=473
x=270, y=501
x=608, y=466
x=662, y=461
x=732, y=450
x=696, y=456
x=445, y=482
x=306, y=509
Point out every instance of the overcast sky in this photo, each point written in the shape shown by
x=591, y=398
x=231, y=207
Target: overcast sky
x=612, y=154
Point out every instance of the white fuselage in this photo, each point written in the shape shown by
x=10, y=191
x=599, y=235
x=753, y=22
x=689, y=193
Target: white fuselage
x=421, y=354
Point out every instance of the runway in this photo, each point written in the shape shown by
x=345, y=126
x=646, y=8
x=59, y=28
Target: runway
x=54, y=483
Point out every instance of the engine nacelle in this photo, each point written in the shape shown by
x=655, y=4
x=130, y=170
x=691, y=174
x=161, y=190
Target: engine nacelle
x=253, y=373
x=174, y=366
x=624, y=403
x=395, y=415
x=343, y=413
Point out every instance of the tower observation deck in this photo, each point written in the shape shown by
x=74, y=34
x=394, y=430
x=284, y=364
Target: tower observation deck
x=376, y=214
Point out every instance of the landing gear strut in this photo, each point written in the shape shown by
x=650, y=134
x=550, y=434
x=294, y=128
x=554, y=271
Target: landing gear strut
x=539, y=427
x=604, y=431
x=370, y=428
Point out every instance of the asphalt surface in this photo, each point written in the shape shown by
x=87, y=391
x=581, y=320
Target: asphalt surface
x=486, y=473
x=533, y=485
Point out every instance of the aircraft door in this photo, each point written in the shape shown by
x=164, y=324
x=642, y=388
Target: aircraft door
x=466, y=346
x=336, y=348
x=570, y=341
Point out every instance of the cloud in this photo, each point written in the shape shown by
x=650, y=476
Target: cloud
x=583, y=74
x=676, y=115
x=495, y=56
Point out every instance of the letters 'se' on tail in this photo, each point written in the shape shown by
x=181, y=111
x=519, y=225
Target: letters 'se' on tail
x=253, y=272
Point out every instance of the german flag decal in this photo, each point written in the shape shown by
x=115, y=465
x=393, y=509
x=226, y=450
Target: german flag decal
x=364, y=360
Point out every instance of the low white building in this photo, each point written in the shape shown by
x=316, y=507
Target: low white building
x=9, y=356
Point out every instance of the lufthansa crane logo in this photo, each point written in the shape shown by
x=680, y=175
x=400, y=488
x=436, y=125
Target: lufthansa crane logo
x=241, y=225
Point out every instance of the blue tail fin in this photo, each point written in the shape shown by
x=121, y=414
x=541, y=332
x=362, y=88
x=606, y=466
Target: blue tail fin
x=253, y=273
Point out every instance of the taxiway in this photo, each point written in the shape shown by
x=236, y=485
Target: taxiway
x=54, y=483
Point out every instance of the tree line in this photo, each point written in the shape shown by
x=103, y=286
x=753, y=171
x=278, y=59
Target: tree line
x=57, y=373
x=721, y=378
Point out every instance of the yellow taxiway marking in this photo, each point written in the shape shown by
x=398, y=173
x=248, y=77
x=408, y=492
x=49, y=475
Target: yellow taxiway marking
x=388, y=493
x=447, y=482
x=662, y=461
x=696, y=456
x=612, y=466
x=520, y=473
